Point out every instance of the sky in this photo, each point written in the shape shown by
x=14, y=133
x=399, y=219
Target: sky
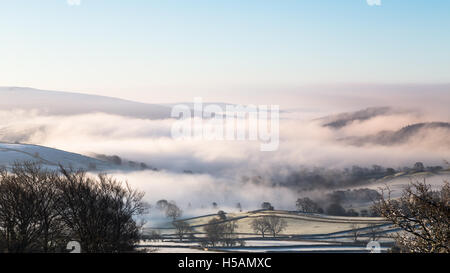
x=170, y=51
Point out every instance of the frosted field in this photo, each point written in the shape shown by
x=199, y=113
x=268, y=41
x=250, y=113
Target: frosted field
x=304, y=233
x=400, y=181
x=307, y=249
x=297, y=223
x=266, y=243
x=176, y=250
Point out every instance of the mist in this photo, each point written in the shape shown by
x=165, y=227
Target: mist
x=199, y=172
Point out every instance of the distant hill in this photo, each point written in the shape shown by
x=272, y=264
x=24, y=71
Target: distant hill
x=66, y=103
x=406, y=134
x=343, y=119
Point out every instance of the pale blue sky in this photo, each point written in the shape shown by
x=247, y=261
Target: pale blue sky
x=165, y=50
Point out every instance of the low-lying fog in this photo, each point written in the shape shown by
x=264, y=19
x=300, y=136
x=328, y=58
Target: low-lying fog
x=195, y=173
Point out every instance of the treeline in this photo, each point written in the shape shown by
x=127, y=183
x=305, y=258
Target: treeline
x=116, y=160
x=307, y=179
x=332, y=203
x=42, y=210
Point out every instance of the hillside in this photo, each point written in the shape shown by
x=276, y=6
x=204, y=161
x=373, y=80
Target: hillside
x=438, y=131
x=48, y=157
x=338, y=121
x=66, y=103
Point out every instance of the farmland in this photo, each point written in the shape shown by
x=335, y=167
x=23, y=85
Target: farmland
x=304, y=233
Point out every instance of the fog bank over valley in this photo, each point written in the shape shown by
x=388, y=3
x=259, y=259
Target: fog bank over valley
x=319, y=150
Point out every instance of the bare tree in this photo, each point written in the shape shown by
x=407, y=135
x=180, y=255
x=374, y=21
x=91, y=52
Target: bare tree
x=41, y=210
x=214, y=231
x=423, y=216
x=99, y=212
x=182, y=228
x=259, y=225
x=221, y=232
x=273, y=224
x=28, y=221
x=276, y=224
x=173, y=211
x=229, y=236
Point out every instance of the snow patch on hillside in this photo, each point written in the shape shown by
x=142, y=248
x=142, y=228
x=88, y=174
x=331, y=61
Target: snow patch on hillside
x=48, y=157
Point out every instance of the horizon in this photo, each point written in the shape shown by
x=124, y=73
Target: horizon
x=334, y=98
